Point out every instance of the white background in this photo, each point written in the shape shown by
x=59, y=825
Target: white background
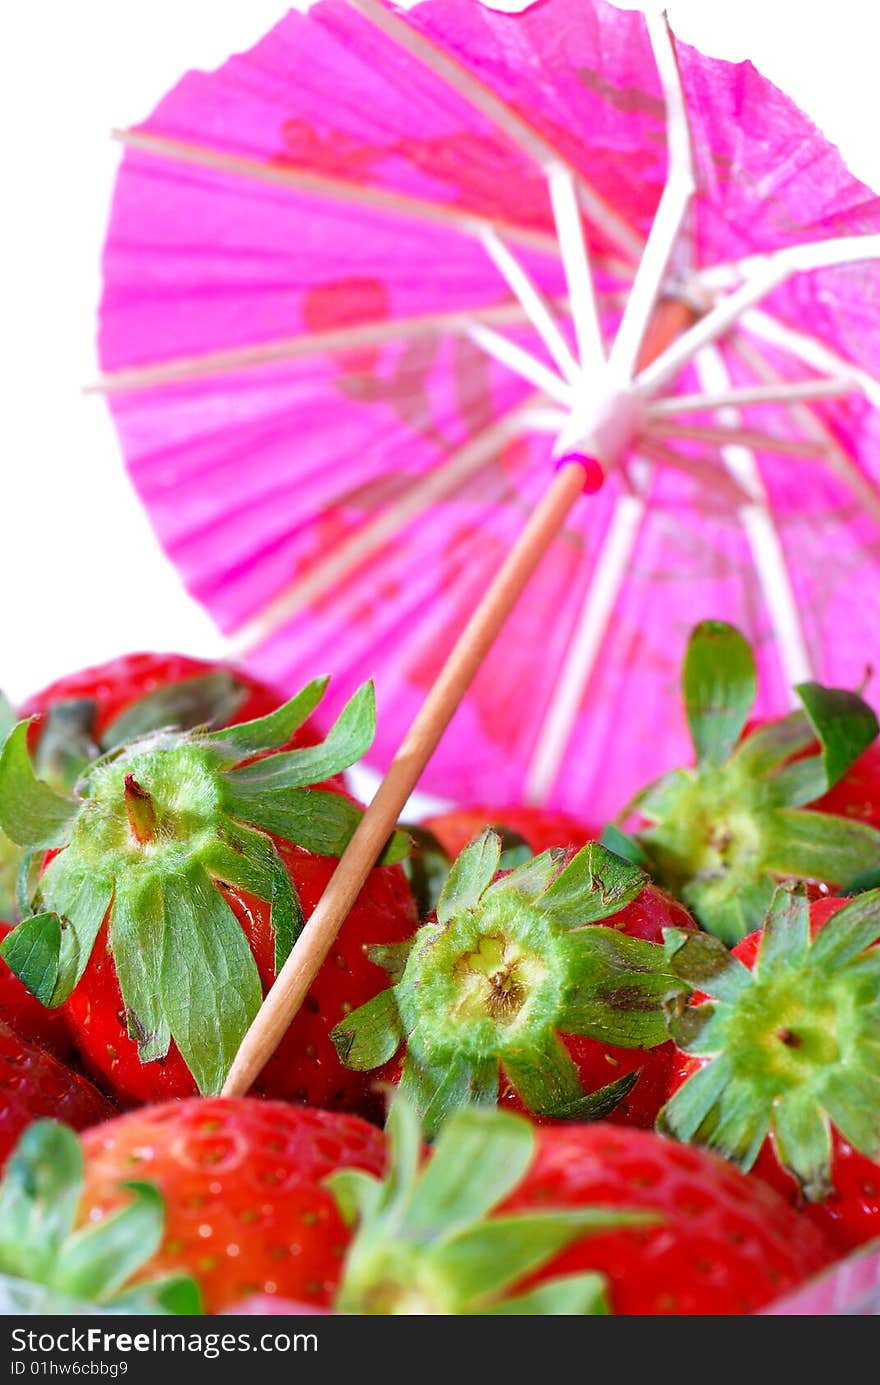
x=81, y=577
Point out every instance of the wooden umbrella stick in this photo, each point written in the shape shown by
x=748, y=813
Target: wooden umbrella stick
x=380, y=819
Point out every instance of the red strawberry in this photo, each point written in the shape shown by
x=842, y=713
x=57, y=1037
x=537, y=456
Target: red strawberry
x=24, y=1013
x=778, y=1061
x=97, y=709
x=50, y=1266
x=112, y=688
x=33, y=1084
x=509, y=1218
x=508, y=996
x=187, y=863
x=722, y=835
x=540, y=828
x=242, y=1183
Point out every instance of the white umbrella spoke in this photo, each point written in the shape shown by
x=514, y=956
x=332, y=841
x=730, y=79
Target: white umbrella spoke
x=769, y=272
x=426, y=491
x=832, y=388
x=675, y=200
x=334, y=189
x=810, y=351
x=576, y=263
x=533, y=303
x=837, y=459
x=419, y=327
x=722, y=435
x=521, y=363
x=709, y=471
x=765, y=544
x=609, y=573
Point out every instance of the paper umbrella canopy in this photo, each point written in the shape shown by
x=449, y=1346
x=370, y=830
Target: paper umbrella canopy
x=366, y=283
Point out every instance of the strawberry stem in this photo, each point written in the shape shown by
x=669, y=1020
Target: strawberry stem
x=140, y=810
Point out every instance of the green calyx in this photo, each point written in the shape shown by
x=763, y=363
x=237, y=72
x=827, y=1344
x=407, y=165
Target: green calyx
x=509, y=965
x=48, y=1267
x=723, y=835
x=791, y=1047
x=149, y=832
x=10, y=854
x=428, y=864
x=426, y=1243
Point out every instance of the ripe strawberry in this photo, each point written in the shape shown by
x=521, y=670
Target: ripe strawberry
x=508, y=996
x=722, y=835
x=98, y=709
x=241, y=1180
x=23, y=1012
x=509, y=1218
x=213, y=691
x=540, y=828
x=49, y=1267
x=777, y=1067
x=179, y=878
x=34, y=1084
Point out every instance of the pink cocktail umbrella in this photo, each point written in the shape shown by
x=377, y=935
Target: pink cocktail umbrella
x=369, y=281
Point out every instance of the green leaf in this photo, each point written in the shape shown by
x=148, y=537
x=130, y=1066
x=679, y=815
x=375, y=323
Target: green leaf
x=65, y=745
x=427, y=868
x=684, y=1113
x=95, y=1262
x=7, y=716
x=32, y=952
x=731, y=908
x=210, y=984
x=250, y=860
x=31, y=814
x=546, y=1079
x=818, y=846
x=621, y=986
x=391, y=957
x=719, y=689
x=486, y=1259
x=169, y=1294
x=595, y=885
x=515, y=850
x=318, y=820
x=773, y=744
x=622, y=844
x=848, y=933
x=803, y=1143
x=785, y=939
x=81, y=898
x=704, y=963
x=39, y=1196
x=404, y=1157
x=574, y=1295
x=27, y=874
x=269, y=732
x=471, y=875
x=208, y=699
x=532, y=879
x=371, y=1035
x=480, y=1157
x=437, y=1091
x=357, y=1194
x=138, y=929
x=844, y=725
x=852, y=1102
x=346, y=742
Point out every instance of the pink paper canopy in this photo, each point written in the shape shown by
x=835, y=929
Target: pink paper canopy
x=302, y=254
